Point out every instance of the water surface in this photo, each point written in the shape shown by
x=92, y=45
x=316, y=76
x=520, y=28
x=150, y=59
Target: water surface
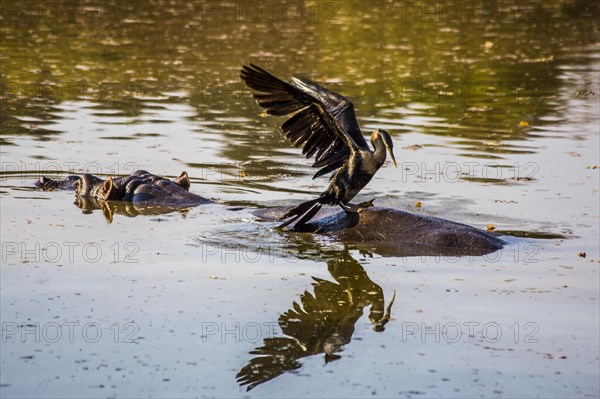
x=494, y=113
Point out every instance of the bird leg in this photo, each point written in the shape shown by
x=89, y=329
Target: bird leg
x=356, y=208
x=379, y=325
x=365, y=204
x=350, y=208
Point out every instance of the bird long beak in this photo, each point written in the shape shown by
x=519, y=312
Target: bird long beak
x=393, y=157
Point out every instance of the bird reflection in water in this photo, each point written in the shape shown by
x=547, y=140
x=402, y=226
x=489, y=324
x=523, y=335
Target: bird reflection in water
x=323, y=322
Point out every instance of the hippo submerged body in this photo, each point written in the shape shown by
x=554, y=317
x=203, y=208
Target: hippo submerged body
x=140, y=187
x=393, y=231
x=396, y=232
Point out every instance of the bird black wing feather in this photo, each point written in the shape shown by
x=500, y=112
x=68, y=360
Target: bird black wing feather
x=323, y=122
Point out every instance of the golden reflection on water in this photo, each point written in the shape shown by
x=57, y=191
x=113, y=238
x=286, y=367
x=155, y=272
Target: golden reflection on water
x=322, y=322
x=472, y=73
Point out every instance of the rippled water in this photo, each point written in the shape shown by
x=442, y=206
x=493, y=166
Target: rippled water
x=494, y=112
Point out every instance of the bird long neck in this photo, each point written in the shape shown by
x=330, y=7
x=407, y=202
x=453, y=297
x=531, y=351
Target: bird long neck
x=380, y=151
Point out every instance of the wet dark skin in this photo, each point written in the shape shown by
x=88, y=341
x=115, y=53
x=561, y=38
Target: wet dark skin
x=392, y=231
x=140, y=187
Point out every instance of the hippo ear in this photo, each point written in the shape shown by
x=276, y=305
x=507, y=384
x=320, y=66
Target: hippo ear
x=44, y=183
x=108, y=189
x=183, y=181
x=107, y=212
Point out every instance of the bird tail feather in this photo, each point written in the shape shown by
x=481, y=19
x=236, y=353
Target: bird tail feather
x=305, y=212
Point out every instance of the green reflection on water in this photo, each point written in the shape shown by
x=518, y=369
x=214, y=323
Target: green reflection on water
x=459, y=69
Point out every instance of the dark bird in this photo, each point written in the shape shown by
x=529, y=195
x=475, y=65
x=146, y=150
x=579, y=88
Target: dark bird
x=324, y=125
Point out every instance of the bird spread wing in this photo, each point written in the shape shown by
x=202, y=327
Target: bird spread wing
x=323, y=122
